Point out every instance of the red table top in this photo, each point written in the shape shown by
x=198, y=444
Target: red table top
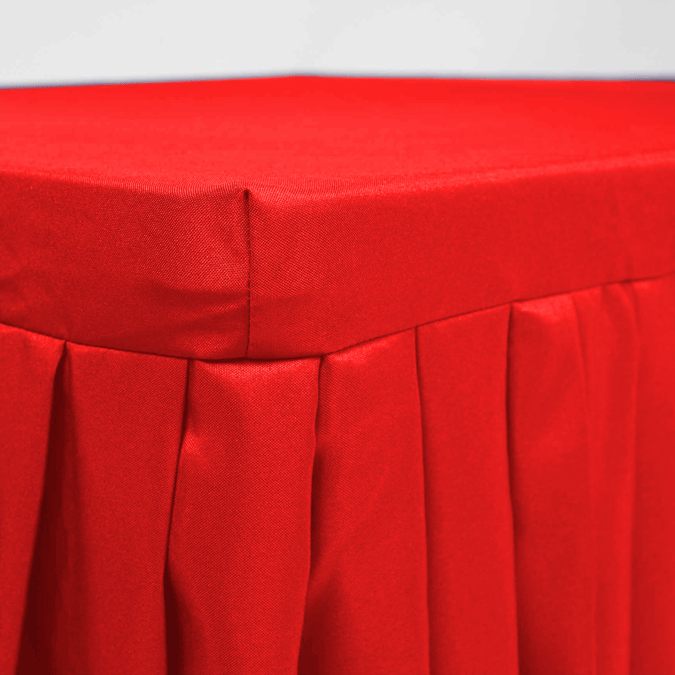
x=287, y=217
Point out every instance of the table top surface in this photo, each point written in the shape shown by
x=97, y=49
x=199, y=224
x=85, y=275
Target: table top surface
x=288, y=217
x=295, y=128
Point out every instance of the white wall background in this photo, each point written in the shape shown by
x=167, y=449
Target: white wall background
x=64, y=41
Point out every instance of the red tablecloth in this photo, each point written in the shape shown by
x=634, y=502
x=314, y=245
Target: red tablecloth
x=338, y=376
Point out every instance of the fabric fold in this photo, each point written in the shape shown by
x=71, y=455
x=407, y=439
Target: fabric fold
x=607, y=328
x=653, y=577
x=551, y=479
x=472, y=603
x=366, y=607
x=96, y=602
x=27, y=371
x=573, y=363
x=239, y=550
x=491, y=493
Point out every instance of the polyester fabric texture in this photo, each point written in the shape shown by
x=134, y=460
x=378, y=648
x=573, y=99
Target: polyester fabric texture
x=324, y=376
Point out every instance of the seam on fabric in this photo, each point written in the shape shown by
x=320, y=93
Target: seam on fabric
x=316, y=444
x=247, y=216
x=424, y=487
x=632, y=280
x=318, y=400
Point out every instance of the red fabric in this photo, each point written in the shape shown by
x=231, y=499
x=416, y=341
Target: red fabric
x=96, y=600
x=26, y=382
x=327, y=376
x=368, y=524
x=239, y=550
x=298, y=216
x=472, y=598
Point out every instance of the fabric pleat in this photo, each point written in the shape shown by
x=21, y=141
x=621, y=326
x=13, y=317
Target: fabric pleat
x=366, y=602
x=239, y=551
x=472, y=602
x=96, y=600
x=609, y=347
x=487, y=494
x=554, y=525
x=29, y=363
x=653, y=579
x=572, y=396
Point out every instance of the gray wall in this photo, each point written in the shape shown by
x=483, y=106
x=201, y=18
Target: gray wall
x=61, y=41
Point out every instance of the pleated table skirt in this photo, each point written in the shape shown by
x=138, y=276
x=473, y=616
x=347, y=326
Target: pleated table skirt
x=338, y=426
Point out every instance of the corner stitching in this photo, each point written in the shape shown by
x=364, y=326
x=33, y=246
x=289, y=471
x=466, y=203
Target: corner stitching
x=247, y=216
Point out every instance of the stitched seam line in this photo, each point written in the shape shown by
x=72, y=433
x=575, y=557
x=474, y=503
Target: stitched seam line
x=247, y=216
